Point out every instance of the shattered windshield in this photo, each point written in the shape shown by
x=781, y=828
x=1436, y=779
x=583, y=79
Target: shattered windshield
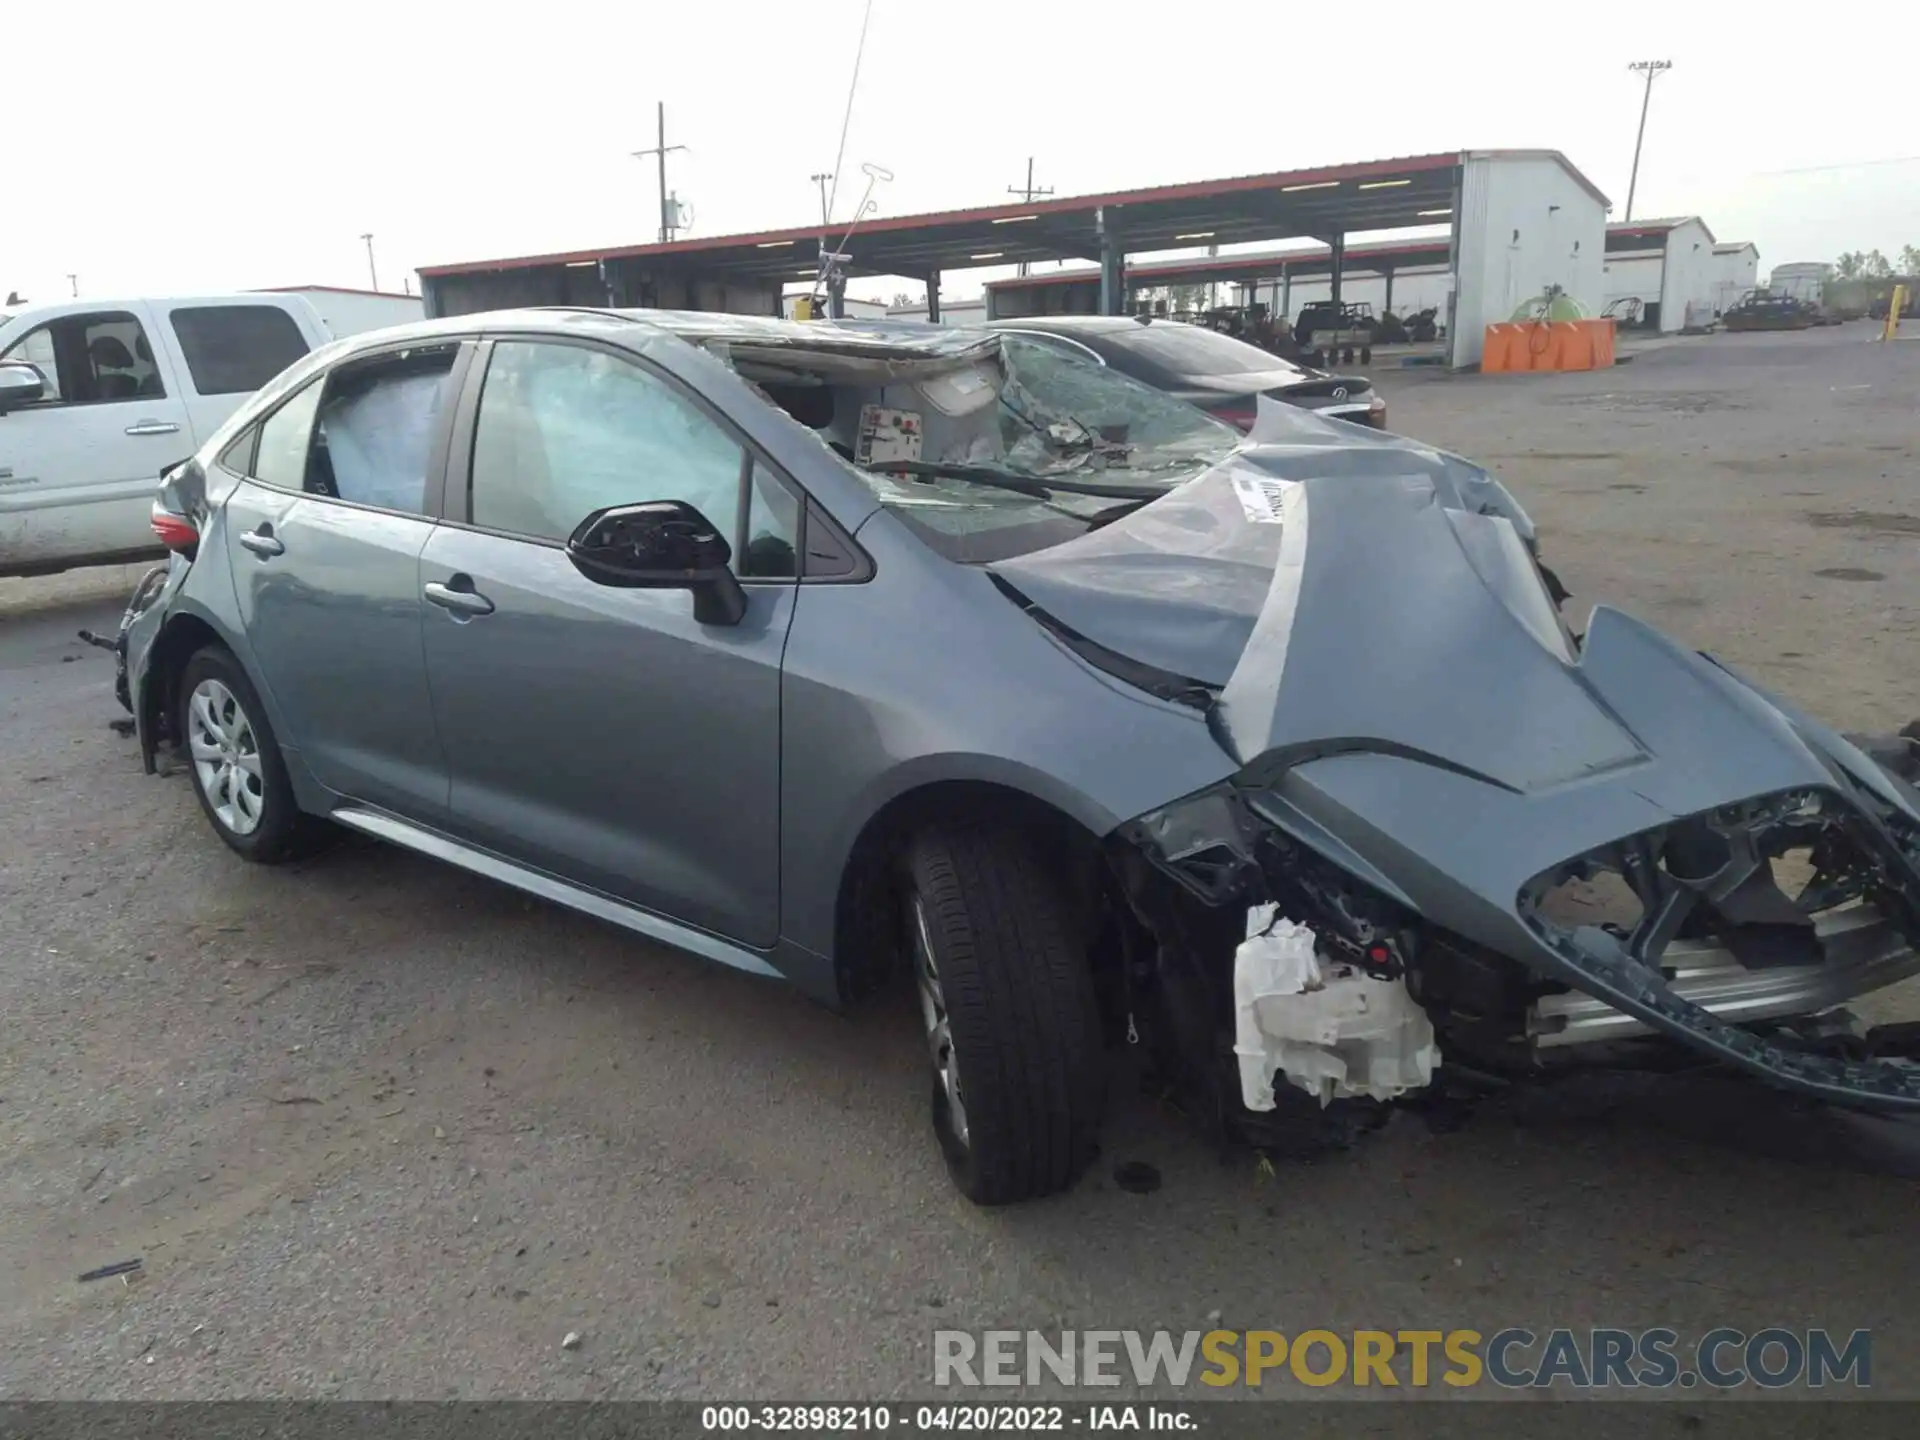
x=1002, y=454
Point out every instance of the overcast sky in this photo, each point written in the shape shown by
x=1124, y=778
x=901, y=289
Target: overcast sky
x=197, y=145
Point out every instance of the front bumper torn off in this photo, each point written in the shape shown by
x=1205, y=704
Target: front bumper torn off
x=1708, y=963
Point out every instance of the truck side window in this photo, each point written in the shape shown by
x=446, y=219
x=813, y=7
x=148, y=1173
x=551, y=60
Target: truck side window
x=235, y=349
x=91, y=359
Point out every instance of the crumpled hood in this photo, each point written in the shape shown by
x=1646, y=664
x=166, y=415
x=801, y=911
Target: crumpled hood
x=1180, y=584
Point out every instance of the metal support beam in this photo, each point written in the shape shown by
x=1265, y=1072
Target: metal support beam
x=1387, y=304
x=837, y=296
x=933, y=297
x=1113, y=276
x=1286, y=295
x=1338, y=245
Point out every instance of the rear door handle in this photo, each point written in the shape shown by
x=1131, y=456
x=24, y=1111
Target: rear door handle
x=153, y=427
x=459, y=601
x=263, y=542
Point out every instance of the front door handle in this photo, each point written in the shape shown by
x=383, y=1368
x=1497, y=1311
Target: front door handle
x=153, y=427
x=459, y=601
x=263, y=542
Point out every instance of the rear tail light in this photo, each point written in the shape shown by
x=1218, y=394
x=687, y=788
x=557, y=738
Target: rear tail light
x=176, y=532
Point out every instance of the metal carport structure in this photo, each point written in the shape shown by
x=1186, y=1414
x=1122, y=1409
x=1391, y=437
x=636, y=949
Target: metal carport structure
x=748, y=272
x=1075, y=291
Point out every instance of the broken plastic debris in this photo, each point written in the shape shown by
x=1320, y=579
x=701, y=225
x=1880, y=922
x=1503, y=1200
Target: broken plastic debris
x=1332, y=1030
x=572, y=1342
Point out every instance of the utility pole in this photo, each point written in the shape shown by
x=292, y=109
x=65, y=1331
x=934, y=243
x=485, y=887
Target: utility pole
x=73, y=282
x=373, y=275
x=1650, y=68
x=661, y=151
x=1028, y=193
x=821, y=180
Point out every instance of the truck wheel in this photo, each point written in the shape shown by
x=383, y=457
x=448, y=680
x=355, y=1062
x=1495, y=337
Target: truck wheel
x=1012, y=1022
x=235, y=762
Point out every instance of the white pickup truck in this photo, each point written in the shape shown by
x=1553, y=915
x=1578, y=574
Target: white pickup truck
x=97, y=398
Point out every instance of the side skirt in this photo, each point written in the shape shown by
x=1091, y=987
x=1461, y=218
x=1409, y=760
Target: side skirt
x=548, y=887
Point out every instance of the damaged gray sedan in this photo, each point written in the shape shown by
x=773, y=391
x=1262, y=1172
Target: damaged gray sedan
x=840, y=653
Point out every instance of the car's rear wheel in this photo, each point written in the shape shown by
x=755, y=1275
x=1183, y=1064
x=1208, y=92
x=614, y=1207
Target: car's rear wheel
x=1012, y=1023
x=230, y=750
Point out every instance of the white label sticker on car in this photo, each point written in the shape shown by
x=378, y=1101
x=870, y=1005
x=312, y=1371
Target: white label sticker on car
x=1263, y=500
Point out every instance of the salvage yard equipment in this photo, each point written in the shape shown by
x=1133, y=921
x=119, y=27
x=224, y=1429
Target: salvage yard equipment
x=1764, y=310
x=1331, y=333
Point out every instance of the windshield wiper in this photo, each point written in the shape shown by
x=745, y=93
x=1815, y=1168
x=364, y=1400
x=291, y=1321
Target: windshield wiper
x=1118, y=512
x=1007, y=480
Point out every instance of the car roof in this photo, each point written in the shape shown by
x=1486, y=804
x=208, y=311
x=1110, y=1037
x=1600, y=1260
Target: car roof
x=1073, y=324
x=863, y=339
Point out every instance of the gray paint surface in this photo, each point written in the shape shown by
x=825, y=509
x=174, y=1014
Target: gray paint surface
x=1387, y=665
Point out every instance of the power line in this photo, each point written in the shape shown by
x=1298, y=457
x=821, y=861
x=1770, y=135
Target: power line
x=1028, y=193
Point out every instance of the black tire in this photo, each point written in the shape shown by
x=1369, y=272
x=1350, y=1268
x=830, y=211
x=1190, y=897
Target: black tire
x=1366, y=354
x=1022, y=1017
x=282, y=831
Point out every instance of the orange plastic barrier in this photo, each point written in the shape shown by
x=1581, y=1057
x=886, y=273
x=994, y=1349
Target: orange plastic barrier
x=1547, y=345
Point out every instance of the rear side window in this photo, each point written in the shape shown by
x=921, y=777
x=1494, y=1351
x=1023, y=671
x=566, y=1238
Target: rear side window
x=364, y=432
x=282, y=457
x=235, y=349
x=1166, y=352
x=374, y=435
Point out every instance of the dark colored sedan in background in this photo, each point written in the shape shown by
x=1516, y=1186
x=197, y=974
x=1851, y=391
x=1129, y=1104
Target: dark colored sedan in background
x=1220, y=374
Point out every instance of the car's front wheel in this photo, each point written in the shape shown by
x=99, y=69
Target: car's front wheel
x=235, y=762
x=1012, y=1023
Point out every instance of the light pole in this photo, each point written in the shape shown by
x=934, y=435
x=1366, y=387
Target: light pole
x=821, y=180
x=373, y=275
x=1649, y=68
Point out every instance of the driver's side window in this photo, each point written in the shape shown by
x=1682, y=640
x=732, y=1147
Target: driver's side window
x=564, y=430
x=91, y=359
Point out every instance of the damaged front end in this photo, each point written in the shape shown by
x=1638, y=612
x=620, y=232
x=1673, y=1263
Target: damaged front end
x=1739, y=932
x=1566, y=850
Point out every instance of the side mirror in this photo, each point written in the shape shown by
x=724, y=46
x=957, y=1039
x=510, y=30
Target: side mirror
x=661, y=545
x=20, y=384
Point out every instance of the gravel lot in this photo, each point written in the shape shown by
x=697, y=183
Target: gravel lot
x=381, y=1129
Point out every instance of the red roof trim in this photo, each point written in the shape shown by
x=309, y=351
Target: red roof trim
x=334, y=290
x=1071, y=205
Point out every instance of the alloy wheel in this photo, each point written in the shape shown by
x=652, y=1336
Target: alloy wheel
x=933, y=1012
x=226, y=757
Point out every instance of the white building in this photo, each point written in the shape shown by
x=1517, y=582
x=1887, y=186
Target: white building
x=1669, y=266
x=1736, y=266
x=1528, y=220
